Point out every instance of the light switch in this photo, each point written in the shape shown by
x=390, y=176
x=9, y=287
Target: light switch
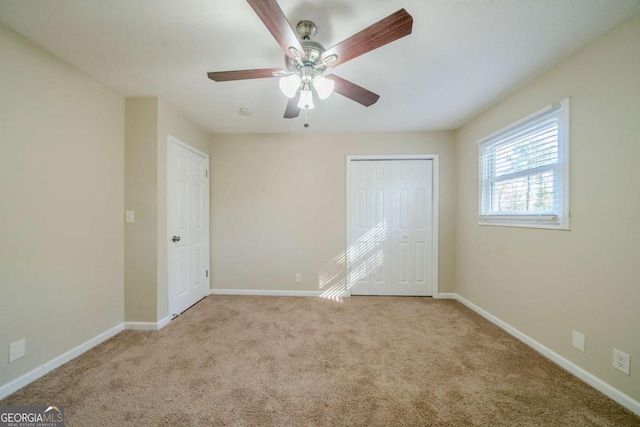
x=129, y=217
x=578, y=341
x=17, y=350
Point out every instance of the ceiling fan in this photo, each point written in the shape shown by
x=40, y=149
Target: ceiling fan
x=307, y=60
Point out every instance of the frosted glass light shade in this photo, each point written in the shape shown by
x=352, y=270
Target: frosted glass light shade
x=289, y=85
x=306, y=100
x=323, y=86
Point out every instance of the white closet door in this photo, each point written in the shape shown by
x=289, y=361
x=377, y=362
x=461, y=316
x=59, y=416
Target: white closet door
x=378, y=268
x=360, y=226
x=390, y=228
x=410, y=228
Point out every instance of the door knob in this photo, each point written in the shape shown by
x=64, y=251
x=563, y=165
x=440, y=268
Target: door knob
x=175, y=239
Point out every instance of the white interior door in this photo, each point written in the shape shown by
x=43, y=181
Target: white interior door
x=391, y=217
x=188, y=219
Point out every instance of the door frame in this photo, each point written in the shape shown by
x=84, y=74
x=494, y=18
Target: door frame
x=169, y=232
x=435, y=158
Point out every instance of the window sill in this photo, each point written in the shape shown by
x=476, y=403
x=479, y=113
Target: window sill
x=551, y=222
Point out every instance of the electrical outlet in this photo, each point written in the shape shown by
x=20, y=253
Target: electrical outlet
x=298, y=278
x=621, y=361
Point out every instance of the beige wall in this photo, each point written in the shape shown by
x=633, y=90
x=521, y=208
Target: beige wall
x=148, y=123
x=278, y=204
x=61, y=209
x=547, y=283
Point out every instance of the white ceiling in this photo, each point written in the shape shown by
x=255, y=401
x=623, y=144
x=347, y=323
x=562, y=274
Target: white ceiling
x=462, y=56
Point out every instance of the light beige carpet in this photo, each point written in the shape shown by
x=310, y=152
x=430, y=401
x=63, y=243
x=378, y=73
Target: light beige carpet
x=278, y=361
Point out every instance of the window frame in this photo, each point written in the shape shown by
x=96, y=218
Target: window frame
x=555, y=219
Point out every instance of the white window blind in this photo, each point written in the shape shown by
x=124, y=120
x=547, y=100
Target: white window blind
x=524, y=172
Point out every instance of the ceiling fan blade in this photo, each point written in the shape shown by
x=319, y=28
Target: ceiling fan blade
x=275, y=21
x=391, y=28
x=292, y=110
x=225, y=76
x=353, y=91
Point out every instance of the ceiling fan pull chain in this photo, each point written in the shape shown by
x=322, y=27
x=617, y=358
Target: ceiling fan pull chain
x=306, y=121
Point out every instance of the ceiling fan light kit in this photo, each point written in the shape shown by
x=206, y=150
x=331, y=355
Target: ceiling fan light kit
x=306, y=60
x=324, y=87
x=290, y=84
x=306, y=98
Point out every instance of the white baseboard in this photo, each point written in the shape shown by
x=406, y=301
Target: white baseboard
x=444, y=295
x=49, y=366
x=147, y=326
x=265, y=292
x=595, y=382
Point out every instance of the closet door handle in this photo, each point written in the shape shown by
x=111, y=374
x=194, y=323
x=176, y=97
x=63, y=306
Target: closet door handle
x=175, y=239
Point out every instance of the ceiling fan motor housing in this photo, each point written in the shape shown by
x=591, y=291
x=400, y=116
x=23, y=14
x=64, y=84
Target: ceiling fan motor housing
x=312, y=52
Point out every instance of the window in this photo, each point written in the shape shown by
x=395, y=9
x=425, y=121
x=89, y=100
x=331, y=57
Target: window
x=524, y=172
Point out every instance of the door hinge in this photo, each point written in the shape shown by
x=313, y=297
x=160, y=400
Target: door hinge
x=206, y=174
x=207, y=273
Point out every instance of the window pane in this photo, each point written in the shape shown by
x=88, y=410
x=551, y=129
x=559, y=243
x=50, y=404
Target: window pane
x=535, y=149
x=526, y=194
